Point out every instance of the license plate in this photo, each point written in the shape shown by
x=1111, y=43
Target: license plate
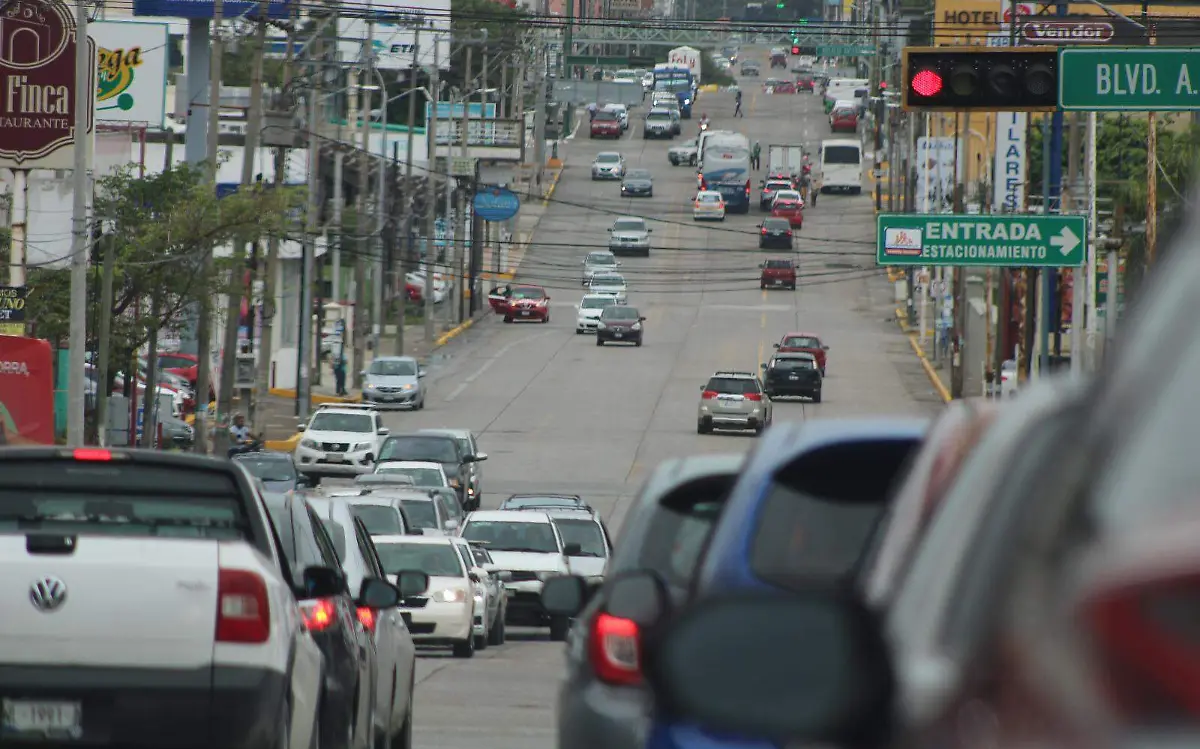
x=793, y=377
x=58, y=718
x=335, y=458
x=525, y=313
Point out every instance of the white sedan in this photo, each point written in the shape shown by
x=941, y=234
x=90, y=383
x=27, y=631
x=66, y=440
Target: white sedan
x=417, y=278
x=709, y=205
x=608, y=284
x=589, y=310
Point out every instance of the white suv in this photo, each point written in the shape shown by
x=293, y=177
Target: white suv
x=340, y=440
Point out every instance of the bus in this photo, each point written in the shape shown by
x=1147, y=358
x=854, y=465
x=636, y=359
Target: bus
x=726, y=169
x=676, y=79
x=841, y=166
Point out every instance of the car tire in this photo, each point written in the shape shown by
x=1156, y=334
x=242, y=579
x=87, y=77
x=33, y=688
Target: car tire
x=579, y=331
x=758, y=429
x=507, y=319
x=599, y=341
x=559, y=627
x=465, y=648
x=762, y=286
x=496, y=631
x=403, y=737
x=314, y=740
x=822, y=372
x=638, y=343
x=702, y=428
x=692, y=162
x=482, y=641
x=793, y=286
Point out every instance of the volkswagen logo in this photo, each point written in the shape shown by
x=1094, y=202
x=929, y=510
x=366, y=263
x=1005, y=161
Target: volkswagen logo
x=48, y=594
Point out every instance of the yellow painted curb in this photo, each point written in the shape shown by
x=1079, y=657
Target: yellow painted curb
x=316, y=397
x=550, y=190
x=938, y=385
x=284, y=446
x=446, y=337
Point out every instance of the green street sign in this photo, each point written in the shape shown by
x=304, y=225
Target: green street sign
x=845, y=50
x=1129, y=79
x=1009, y=241
x=598, y=61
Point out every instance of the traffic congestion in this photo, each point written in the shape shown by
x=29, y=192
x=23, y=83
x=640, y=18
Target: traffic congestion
x=749, y=501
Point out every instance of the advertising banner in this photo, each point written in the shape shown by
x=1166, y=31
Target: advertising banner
x=26, y=392
x=1009, y=171
x=936, y=178
x=395, y=41
x=132, y=77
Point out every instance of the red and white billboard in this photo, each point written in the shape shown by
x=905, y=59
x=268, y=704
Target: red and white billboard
x=26, y=392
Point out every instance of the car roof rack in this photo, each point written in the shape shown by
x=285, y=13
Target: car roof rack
x=352, y=406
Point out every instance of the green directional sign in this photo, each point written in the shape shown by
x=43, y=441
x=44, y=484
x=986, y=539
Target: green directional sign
x=1129, y=79
x=845, y=50
x=1010, y=241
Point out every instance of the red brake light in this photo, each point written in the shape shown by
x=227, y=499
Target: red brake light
x=708, y=395
x=615, y=650
x=367, y=617
x=789, y=232
x=92, y=453
x=753, y=396
x=319, y=615
x=243, y=610
x=764, y=231
x=927, y=83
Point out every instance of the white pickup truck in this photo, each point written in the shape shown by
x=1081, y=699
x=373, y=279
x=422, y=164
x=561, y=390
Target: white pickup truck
x=146, y=604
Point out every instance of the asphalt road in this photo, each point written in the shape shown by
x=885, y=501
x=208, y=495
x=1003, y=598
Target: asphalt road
x=557, y=413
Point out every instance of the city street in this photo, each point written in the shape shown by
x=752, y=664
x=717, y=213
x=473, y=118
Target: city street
x=557, y=413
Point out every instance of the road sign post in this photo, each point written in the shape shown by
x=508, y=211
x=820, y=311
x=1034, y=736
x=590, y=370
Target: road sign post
x=1129, y=79
x=1009, y=241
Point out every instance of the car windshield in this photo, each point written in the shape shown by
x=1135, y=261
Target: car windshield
x=337, y=534
x=842, y=155
x=659, y=115
x=779, y=264
x=794, y=364
x=732, y=385
x=514, y=536
x=596, y=302
x=606, y=115
x=629, y=224
x=522, y=502
x=779, y=185
x=709, y=197
x=380, y=520
x=420, y=513
x=800, y=341
x=586, y=533
x=419, y=476
x=336, y=422
x=843, y=112
x=787, y=195
x=435, y=560
x=609, y=158
x=393, y=368
x=606, y=279
x=619, y=313
x=601, y=258
x=639, y=174
x=415, y=448
x=268, y=469
x=527, y=292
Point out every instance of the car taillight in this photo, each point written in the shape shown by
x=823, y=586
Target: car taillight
x=243, y=610
x=615, y=651
x=367, y=617
x=747, y=188
x=789, y=232
x=319, y=615
x=92, y=454
x=753, y=396
x=708, y=395
x=1149, y=654
x=764, y=231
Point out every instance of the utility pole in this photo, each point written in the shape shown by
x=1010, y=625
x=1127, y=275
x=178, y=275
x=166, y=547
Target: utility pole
x=304, y=344
x=337, y=232
x=405, y=244
x=262, y=377
x=431, y=192
x=382, y=222
x=1079, y=288
x=1093, y=250
x=364, y=237
x=539, y=115
x=80, y=231
x=233, y=307
x=204, y=325
x=1151, y=169
x=958, y=339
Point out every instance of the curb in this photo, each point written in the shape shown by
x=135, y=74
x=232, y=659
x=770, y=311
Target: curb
x=284, y=446
x=318, y=398
x=449, y=335
x=934, y=378
x=549, y=193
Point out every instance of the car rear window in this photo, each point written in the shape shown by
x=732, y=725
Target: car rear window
x=780, y=264
x=676, y=538
x=801, y=342
x=337, y=534
x=380, y=520
x=732, y=385
x=421, y=513
x=795, y=364
x=416, y=448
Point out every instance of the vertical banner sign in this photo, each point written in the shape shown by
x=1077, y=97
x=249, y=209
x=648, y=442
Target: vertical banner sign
x=37, y=85
x=935, y=173
x=1009, y=173
x=26, y=392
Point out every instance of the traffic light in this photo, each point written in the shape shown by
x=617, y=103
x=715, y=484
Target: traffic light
x=947, y=79
x=795, y=49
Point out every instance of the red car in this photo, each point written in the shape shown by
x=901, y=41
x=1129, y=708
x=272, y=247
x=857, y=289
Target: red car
x=527, y=303
x=843, y=119
x=785, y=87
x=809, y=343
x=778, y=273
x=792, y=210
x=804, y=82
x=606, y=125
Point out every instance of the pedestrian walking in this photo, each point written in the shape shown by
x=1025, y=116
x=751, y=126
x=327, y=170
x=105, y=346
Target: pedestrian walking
x=737, y=105
x=755, y=155
x=339, y=374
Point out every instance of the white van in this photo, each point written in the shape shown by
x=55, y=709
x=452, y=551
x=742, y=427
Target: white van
x=841, y=166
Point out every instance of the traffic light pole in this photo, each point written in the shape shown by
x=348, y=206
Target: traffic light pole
x=1052, y=188
x=958, y=336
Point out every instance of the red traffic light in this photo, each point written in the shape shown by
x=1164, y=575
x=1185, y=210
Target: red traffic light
x=927, y=83
x=795, y=50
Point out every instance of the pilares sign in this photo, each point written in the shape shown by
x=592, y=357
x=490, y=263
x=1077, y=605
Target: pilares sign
x=37, y=84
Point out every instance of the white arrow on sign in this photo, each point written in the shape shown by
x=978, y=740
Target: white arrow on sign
x=1065, y=241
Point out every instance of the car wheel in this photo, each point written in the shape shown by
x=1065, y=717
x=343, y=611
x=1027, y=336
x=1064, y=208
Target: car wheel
x=792, y=287
x=599, y=341
x=692, y=162
x=559, y=627
x=638, y=343
x=702, y=428
x=758, y=429
x=403, y=738
x=822, y=371
x=482, y=641
x=762, y=286
x=507, y=319
x=465, y=648
x=496, y=631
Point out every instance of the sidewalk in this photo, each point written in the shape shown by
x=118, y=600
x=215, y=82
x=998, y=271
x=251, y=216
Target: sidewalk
x=934, y=353
x=532, y=210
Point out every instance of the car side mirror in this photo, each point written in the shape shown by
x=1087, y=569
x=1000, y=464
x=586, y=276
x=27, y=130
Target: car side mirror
x=421, y=373
x=378, y=594
x=322, y=582
x=641, y=319
x=302, y=481
x=774, y=345
x=382, y=431
x=572, y=550
x=301, y=426
x=824, y=348
x=849, y=684
x=480, y=457
x=763, y=366
x=565, y=595
x=362, y=373
x=649, y=231
x=610, y=231
x=412, y=583
x=474, y=576
x=503, y=576
x=451, y=525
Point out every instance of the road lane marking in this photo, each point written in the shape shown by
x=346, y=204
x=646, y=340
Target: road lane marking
x=490, y=361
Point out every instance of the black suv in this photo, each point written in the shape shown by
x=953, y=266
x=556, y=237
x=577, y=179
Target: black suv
x=792, y=375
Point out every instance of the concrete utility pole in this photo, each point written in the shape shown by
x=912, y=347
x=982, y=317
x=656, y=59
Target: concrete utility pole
x=539, y=115
x=431, y=191
x=262, y=375
x=204, y=324
x=233, y=307
x=1078, y=286
x=378, y=318
x=365, y=240
x=304, y=344
x=77, y=326
x=958, y=339
x=405, y=244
